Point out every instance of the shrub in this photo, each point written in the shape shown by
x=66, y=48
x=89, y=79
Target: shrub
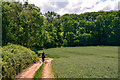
x=65, y=43
x=15, y=58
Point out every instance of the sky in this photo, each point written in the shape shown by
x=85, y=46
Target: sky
x=75, y=6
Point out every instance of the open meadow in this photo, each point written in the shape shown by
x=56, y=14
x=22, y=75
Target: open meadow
x=84, y=62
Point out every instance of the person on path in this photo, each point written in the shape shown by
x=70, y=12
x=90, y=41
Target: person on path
x=43, y=56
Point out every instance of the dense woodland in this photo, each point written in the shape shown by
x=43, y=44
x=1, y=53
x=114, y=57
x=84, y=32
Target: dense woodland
x=25, y=25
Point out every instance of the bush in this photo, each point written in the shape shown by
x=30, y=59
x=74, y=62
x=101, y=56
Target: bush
x=65, y=43
x=15, y=58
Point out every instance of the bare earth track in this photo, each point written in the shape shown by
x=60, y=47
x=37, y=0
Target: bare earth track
x=30, y=71
x=47, y=73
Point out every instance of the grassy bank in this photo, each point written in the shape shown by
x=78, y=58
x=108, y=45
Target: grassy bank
x=84, y=62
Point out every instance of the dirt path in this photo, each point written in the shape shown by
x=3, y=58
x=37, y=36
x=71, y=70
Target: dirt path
x=29, y=72
x=47, y=73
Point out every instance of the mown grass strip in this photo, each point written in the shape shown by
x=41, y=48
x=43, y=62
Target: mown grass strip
x=38, y=73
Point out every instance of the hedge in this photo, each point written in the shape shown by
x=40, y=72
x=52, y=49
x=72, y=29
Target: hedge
x=15, y=58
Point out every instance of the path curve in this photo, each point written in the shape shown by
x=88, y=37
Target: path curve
x=29, y=72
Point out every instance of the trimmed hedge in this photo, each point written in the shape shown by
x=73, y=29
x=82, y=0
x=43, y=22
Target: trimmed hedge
x=15, y=58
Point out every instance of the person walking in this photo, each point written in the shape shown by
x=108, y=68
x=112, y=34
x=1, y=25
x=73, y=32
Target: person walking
x=43, y=56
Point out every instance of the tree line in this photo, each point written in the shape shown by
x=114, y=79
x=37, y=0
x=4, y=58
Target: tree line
x=24, y=24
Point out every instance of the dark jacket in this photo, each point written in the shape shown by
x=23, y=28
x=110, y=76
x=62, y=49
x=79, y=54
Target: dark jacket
x=43, y=55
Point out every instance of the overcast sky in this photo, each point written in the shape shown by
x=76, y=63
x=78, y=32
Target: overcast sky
x=75, y=6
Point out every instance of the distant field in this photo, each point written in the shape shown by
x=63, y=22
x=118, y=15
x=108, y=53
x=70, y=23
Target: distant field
x=84, y=62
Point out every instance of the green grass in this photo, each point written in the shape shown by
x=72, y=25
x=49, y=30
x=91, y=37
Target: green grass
x=38, y=73
x=84, y=62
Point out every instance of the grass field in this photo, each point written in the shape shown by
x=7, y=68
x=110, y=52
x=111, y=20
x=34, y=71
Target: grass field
x=84, y=62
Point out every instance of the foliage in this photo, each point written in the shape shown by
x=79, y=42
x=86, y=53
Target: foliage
x=24, y=24
x=0, y=62
x=15, y=58
x=84, y=62
x=88, y=29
